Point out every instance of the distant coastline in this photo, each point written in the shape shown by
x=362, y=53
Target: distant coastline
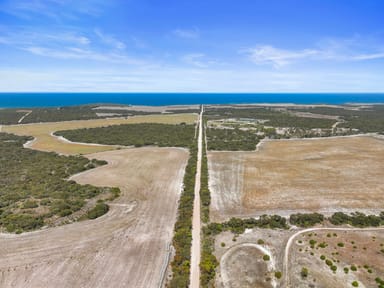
x=35, y=99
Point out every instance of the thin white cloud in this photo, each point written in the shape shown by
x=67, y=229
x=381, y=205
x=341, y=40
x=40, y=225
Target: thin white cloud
x=171, y=79
x=187, y=33
x=266, y=54
x=342, y=51
x=54, y=9
x=369, y=56
x=25, y=36
x=195, y=59
x=110, y=40
x=82, y=54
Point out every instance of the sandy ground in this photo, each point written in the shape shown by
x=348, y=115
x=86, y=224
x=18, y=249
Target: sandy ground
x=127, y=247
x=284, y=177
x=241, y=258
x=44, y=141
x=360, y=248
x=241, y=263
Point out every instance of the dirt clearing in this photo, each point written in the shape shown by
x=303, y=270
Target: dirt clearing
x=44, y=141
x=337, y=259
x=287, y=176
x=127, y=247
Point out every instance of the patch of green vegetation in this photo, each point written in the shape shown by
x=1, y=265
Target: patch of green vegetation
x=142, y=134
x=355, y=284
x=323, y=245
x=32, y=179
x=356, y=219
x=306, y=220
x=10, y=116
x=238, y=226
x=304, y=272
x=97, y=211
x=278, y=274
x=57, y=114
x=182, y=239
x=366, y=120
x=275, y=117
x=205, y=195
x=379, y=281
x=21, y=222
x=208, y=261
x=231, y=140
x=266, y=257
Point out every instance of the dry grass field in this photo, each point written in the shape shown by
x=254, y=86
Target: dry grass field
x=288, y=176
x=44, y=141
x=127, y=247
x=346, y=250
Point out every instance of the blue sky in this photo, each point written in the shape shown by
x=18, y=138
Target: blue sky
x=192, y=46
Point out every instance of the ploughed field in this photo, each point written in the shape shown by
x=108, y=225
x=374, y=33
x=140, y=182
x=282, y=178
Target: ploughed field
x=289, y=176
x=127, y=247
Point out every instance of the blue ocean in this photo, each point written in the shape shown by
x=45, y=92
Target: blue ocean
x=21, y=100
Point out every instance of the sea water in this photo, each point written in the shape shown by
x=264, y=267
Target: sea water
x=19, y=100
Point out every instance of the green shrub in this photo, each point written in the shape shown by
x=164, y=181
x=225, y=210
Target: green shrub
x=30, y=204
x=306, y=220
x=22, y=222
x=99, y=210
x=278, y=274
x=266, y=257
x=304, y=272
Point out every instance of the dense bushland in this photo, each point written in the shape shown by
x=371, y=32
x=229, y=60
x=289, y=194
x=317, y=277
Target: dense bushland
x=68, y=113
x=33, y=186
x=306, y=220
x=163, y=135
x=231, y=139
x=370, y=119
x=10, y=116
x=357, y=219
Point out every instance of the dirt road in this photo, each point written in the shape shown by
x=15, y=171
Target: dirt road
x=126, y=247
x=196, y=220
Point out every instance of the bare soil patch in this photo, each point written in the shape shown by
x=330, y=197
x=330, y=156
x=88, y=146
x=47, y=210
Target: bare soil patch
x=284, y=176
x=241, y=258
x=345, y=249
x=126, y=247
